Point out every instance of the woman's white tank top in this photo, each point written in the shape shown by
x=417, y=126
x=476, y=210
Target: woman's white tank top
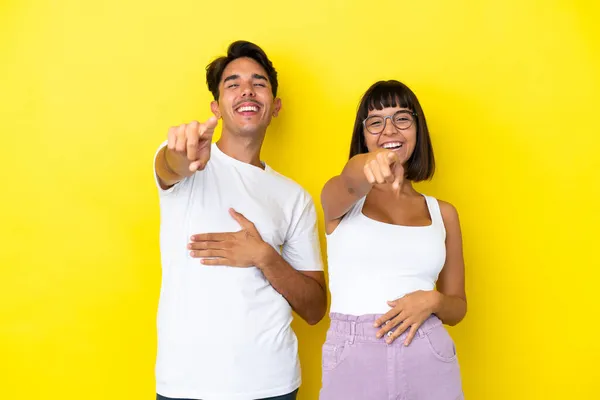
x=372, y=262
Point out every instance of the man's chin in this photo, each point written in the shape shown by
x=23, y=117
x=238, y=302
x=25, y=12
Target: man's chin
x=251, y=129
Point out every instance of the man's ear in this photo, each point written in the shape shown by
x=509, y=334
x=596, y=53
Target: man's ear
x=276, y=106
x=214, y=107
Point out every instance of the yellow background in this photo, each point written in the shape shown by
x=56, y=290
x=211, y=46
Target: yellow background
x=89, y=89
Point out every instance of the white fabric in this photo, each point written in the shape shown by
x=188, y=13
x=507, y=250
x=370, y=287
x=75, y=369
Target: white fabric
x=372, y=262
x=224, y=332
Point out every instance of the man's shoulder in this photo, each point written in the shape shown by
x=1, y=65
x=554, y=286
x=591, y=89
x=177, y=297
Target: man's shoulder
x=288, y=184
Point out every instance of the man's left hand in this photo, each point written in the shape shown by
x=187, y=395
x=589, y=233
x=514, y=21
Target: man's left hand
x=244, y=248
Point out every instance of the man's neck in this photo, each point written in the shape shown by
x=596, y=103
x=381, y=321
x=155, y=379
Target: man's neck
x=244, y=149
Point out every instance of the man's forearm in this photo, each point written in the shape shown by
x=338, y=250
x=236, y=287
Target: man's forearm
x=306, y=295
x=170, y=169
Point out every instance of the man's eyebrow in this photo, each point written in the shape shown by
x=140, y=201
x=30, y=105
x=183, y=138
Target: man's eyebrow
x=231, y=78
x=259, y=76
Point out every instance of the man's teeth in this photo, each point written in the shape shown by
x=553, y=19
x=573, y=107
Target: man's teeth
x=392, y=145
x=248, y=108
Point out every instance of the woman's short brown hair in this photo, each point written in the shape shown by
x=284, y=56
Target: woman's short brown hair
x=421, y=164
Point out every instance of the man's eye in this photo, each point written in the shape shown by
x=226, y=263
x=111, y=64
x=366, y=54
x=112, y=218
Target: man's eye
x=232, y=85
x=260, y=84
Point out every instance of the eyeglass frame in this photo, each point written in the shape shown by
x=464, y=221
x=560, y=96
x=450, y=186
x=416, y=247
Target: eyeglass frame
x=390, y=117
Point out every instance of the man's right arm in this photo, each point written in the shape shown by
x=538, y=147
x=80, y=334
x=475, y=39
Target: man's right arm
x=167, y=175
x=187, y=151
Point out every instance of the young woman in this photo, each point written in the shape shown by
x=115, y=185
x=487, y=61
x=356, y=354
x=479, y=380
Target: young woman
x=396, y=269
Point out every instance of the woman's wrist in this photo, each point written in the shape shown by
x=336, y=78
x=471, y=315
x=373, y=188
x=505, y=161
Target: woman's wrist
x=436, y=301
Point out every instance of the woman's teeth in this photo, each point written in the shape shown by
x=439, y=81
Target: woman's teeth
x=392, y=145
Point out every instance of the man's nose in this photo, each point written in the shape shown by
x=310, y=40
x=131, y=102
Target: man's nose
x=248, y=91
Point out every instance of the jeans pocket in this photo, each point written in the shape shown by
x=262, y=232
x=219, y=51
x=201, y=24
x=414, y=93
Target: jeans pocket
x=333, y=354
x=441, y=344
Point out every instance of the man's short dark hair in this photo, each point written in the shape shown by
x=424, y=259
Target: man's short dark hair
x=239, y=49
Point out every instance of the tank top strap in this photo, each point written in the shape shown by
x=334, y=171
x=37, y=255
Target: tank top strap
x=434, y=211
x=356, y=208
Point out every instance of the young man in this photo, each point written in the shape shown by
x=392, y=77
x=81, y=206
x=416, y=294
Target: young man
x=239, y=247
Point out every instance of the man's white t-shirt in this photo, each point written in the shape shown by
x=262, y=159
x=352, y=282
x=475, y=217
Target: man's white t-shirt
x=224, y=332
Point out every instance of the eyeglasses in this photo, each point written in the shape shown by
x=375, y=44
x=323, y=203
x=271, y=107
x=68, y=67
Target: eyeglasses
x=402, y=120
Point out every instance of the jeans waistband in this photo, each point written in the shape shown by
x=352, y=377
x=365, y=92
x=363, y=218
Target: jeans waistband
x=361, y=327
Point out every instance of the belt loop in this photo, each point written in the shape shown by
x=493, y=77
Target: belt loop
x=352, y=331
